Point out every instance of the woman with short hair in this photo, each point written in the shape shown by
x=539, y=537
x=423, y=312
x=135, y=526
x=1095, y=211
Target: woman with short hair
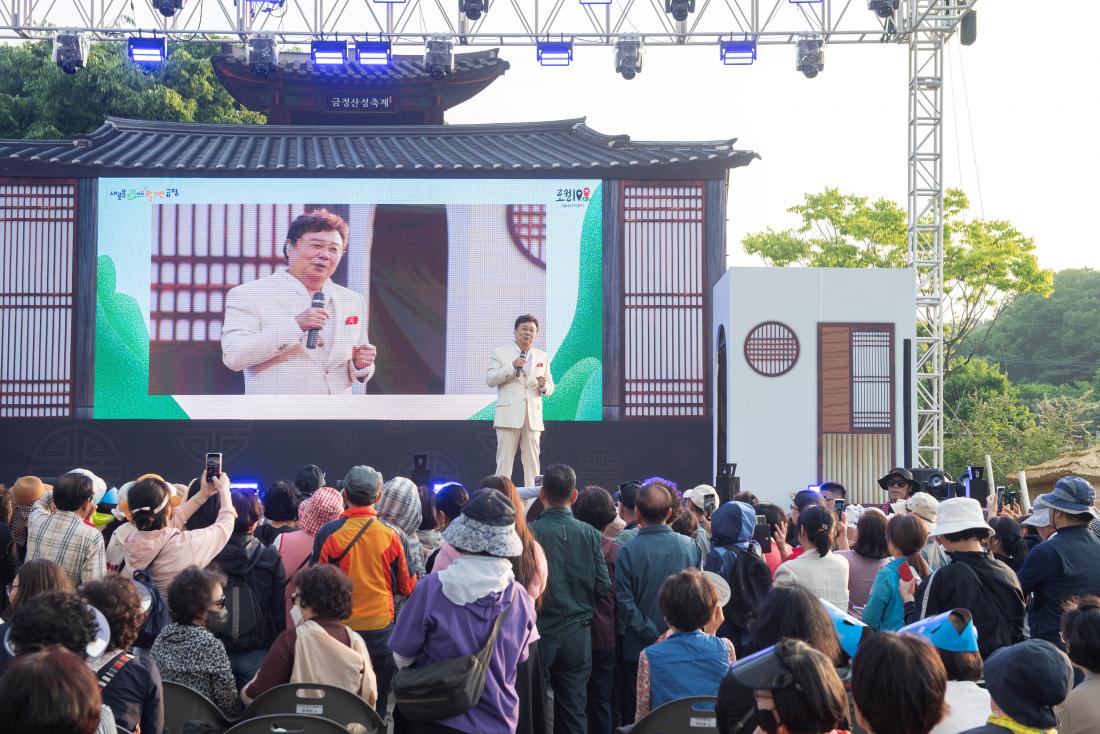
x=280, y=502
x=49, y=691
x=865, y=558
x=1080, y=712
x=319, y=648
x=899, y=685
x=185, y=651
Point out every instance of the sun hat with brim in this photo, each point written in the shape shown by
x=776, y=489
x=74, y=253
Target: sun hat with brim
x=958, y=514
x=1027, y=680
x=849, y=629
x=94, y=649
x=99, y=487
x=487, y=525
x=921, y=504
x=720, y=586
x=1040, y=518
x=763, y=671
x=898, y=471
x=1071, y=494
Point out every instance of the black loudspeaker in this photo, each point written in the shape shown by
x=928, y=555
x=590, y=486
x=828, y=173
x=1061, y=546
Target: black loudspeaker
x=727, y=482
x=421, y=475
x=975, y=485
x=932, y=481
x=968, y=28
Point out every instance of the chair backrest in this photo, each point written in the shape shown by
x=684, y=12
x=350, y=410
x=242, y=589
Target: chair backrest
x=288, y=724
x=183, y=704
x=694, y=715
x=315, y=699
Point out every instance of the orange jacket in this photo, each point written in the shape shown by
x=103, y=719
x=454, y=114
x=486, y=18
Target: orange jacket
x=375, y=564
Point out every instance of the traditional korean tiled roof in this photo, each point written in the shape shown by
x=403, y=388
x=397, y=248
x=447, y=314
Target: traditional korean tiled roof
x=565, y=147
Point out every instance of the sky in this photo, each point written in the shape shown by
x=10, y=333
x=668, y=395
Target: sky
x=1019, y=130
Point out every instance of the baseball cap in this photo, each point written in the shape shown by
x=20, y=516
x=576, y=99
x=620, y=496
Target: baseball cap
x=363, y=482
x=720, y=586
x=309, y=479
x=1027, y=680
x=698, y=495
x=921, y=504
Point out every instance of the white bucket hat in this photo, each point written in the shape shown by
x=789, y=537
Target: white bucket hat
x=958, y=514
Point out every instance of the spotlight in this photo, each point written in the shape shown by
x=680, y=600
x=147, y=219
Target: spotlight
x=421, y=473
x=811, y=57
x=679, y=9
x=147, y=50
x=263, y=54
x=883, y=8
x=168, y=8
x=439, y=56
x=628, y=56
x=473, y=9
x=373, y=53
x=554, y=53
x=70, y=51
x=737, y=53
x=932, y=481
x=329, y=53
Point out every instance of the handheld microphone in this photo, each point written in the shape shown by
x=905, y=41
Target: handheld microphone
x=311, y=335
x=522, y=355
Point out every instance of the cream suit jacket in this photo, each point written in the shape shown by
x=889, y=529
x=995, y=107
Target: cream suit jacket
x=519, y=397
x=261, y=337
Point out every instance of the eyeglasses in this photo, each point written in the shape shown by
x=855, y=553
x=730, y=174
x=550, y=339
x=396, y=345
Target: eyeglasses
x=897, y=483
x=218, y=603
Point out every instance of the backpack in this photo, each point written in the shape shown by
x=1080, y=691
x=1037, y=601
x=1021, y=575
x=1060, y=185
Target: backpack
x=743, y=607
x=157, y=614
x=244, y=628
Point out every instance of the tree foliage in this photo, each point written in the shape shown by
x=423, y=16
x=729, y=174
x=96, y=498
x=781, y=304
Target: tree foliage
x=988, y=264
x=38, y=100
x=972, y=382
x=1053, y=340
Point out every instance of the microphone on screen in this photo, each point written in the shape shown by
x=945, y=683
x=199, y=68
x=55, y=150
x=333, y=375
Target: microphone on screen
x=522, y=355
x=311, y=335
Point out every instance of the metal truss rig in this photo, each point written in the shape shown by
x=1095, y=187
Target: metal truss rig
x=924, y=25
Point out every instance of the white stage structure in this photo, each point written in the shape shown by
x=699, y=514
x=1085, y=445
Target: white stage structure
x=811, y=383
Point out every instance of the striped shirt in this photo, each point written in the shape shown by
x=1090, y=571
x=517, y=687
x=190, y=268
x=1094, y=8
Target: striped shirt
x=62, y=537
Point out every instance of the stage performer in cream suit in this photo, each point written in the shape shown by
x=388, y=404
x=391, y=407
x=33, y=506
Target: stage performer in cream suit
x=521, y=375
x=268, y=321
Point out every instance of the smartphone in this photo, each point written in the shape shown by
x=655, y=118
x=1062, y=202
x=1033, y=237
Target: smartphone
x=839, y=507
x=213, y=466
x=762, y=534
x=905, y=572
x=538, y=480
x=1000, y=499
x=761, y=520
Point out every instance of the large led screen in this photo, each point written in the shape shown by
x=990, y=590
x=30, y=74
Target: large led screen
x=205, y=288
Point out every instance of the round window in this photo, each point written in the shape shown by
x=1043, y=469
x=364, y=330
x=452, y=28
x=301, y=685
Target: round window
x=771, y=349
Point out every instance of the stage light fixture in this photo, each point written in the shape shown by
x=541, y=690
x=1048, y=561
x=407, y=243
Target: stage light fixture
x=473, y=9
x=70, y=51
x=147, y=50
x=628, y=56
x=168, y=8
x=811, y=57
x=737, y=53
x=263, y=54
x=439, y=56
x=554, y=53
x=679, y=9
x=883, y=8
x=329, y=53
x=373, y=53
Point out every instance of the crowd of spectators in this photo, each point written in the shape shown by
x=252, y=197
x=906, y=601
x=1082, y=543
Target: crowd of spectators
x=590, y=608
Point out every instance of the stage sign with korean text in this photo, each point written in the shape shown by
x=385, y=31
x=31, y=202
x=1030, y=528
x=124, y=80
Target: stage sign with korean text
x=360, y=103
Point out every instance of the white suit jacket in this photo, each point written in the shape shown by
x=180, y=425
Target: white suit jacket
x=519, y=397
x=261, y=337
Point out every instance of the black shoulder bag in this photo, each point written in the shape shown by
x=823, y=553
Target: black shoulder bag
x=447, y=688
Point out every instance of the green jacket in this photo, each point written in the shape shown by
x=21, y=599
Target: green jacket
x=577, y=573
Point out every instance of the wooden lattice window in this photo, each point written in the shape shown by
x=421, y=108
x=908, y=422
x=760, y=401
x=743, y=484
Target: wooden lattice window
x=664, y=256
x=527, y=226
x=37, y=243
x=771, y=349
x=200, y=251
x=872, y=386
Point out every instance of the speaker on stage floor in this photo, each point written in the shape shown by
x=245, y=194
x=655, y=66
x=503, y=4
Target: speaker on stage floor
x=727, y=482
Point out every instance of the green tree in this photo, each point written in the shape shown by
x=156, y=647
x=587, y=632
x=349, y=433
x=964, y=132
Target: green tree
x=988, y=264
x=38, y=100
x=971, y=382
x=1052, y=340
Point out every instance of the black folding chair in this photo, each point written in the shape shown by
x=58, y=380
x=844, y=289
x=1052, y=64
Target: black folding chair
x=288, y=724
x=694, y=715
x=315, y=699
x=183, y=705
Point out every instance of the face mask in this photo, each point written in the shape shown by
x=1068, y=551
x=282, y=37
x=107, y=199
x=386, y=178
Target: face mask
x=217, y=617
x=296, y=615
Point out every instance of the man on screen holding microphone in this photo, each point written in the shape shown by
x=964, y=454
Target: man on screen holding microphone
x=521, y=375
x=295, y=332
